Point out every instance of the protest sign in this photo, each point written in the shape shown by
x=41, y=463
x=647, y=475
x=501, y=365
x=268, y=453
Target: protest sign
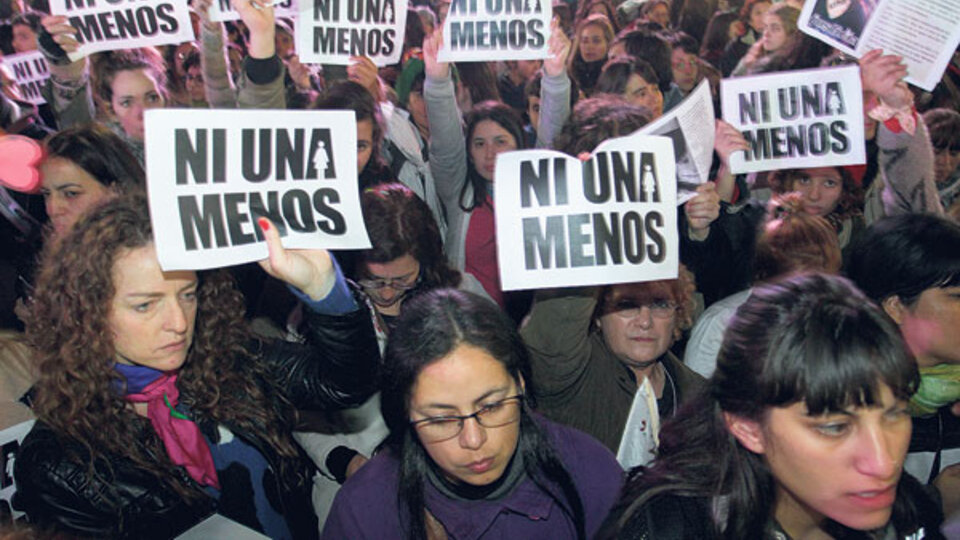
x=796, y=119
x=331, y=31
x=924, y=32
x=566, y=222
x=690, y=126
x=30, y=72
x=212, y=173
x=10, y=439
x=104, y=25
x=481, y=30
x=222, y=10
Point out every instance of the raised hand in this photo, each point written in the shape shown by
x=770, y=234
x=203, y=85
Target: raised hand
x=260, y=20
x=559, y=48
x=431, y=48
x=363, y=71
x=702, y=211
x=882, y=74
x=64, y=35
x=310, y=270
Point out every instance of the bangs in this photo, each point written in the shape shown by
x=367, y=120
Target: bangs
x=638, y=294
x=835, y=358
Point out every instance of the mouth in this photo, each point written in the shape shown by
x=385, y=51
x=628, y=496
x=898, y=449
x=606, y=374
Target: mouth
x=875, y=499
x=482, y=466
x=175, y=346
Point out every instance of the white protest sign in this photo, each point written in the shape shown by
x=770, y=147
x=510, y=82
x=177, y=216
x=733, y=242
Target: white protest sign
x=796, y=119
x=212, y=173
x=331, y=31
x=924, y=32
x=641, y=434
x=565, y=222
x=10, y=439
x=104, y=25
x=221, y=10
x=482, y=30
x=30, y=72
x=691, y=127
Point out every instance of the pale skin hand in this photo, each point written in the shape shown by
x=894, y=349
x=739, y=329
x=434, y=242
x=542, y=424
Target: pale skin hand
x=64, y=35
x=259, y=19
x=559, y=48
x=727, y=140
x=431, y=47
x=310, y=270
x=883, y=76
x=299, y=73
x=363, y=71
x=202, y=8
x=702, y=211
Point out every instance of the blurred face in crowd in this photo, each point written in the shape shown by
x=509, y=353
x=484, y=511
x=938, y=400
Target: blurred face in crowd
x=593, y=43
x=660, y=15
x=929, y=326
x=68, y=192
x=639, y=322
x=684, y=67
x=153, y=312
x=756, y=15
x=839, y=465
x=24, y=38
x=284, y=44
x=364, y=143
x=468, y=380
x=489, y=139
x=418, y=111
x=134, y=91
x=945, y=161
x=388, y=283
x=821, y=189
x=640, y=92
x=195, y=83
x=774, y=36
x=533, y=111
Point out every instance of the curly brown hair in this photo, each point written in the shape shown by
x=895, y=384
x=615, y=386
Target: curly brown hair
x=77, y=392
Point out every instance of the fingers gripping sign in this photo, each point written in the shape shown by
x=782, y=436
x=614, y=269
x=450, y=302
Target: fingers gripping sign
x=310, y=270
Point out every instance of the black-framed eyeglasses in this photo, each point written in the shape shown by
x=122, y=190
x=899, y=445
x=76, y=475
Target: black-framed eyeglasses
x=660, y=309
x=442, y=428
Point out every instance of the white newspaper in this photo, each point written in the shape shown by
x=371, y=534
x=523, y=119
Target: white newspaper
x=924, y=32
x=691, y=127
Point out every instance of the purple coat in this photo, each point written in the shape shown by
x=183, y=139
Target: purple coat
x=366, y=506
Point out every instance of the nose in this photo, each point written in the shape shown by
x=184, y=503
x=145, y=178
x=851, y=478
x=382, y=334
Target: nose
x=388, y=293
x=176, y=319
x=473, y=435
x=644, y=318
x=876, y=454
x=491, y=152
x=814, y=193
x=55, y=205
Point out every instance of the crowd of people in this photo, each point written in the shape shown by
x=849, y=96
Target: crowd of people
x=800, y=376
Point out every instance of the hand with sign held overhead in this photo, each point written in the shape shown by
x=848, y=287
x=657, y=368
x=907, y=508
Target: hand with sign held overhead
x=310, y=270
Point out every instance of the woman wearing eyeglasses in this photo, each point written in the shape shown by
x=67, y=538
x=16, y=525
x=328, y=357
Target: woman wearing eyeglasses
x=592, y=349
x=465, y=457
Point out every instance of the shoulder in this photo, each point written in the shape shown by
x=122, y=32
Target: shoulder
x=592, y=465
x=664, y=517
x=689, y=382
x=372, y=491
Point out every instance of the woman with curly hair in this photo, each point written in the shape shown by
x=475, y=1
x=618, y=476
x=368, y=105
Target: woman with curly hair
x=156, y=407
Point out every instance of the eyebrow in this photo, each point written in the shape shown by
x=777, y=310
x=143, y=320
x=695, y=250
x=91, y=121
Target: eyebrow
x=485, y=395
x=192, y=284
x=68, y=185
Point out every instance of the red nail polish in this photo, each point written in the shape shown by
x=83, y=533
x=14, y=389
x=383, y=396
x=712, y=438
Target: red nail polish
x=264, y=223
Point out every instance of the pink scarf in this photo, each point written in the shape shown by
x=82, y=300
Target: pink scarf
x=181, y=437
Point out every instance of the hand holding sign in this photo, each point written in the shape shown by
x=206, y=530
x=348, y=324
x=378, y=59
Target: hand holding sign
x=202, y=9
x=309, y=270
x=727, y=140
x=364, y=72
x=259, y=18
x=702, y=211
x=64, y=35
x=883, y=75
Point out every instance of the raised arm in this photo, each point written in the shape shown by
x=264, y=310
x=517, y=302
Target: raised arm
x=217, y=82
x=554, y=88
x=68, y=89
x=262, y=84
x=448, y=151
x=339, y=366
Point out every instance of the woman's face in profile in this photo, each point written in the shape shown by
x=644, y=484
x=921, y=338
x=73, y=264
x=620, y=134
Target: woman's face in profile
x=467, y=381
x=153, y=313
x=842, y=465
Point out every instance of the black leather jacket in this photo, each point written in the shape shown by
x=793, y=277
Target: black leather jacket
x=337, y=368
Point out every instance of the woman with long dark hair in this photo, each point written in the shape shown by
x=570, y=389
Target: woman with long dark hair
x=801, y=432
x=157, y=407
x=465, y=456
